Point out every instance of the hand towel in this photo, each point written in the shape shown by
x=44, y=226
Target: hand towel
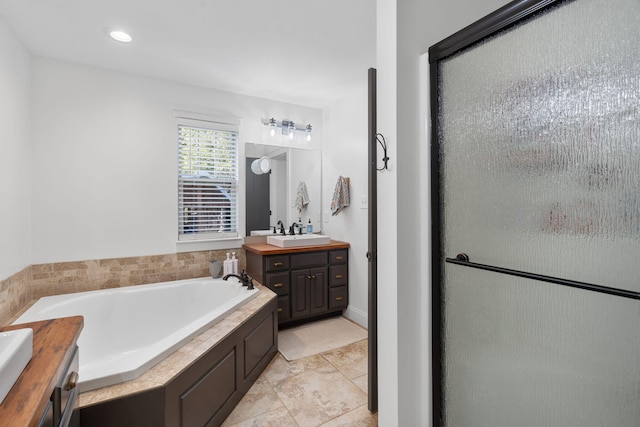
x=340, y=199
x=302, y=196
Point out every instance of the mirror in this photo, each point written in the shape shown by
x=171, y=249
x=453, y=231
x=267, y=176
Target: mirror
x=271, y=196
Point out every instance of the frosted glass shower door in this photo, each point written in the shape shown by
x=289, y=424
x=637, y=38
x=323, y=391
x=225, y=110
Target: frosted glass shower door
x=538, y=147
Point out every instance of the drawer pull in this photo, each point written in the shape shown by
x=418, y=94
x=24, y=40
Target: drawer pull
x=339, y=276
x=339, y=298
x=311, y=276
x=278, y=264
x=339, y=258
x=73, y=381
x=278, y=285
x=279, y=310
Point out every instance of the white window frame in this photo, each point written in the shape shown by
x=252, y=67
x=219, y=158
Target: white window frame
x=195, y=241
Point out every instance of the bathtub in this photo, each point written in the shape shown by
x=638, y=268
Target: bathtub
x=128, y=330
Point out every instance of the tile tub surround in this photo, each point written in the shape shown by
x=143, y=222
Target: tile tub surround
x=165, y=370
x=15, y=293
x=42, y=280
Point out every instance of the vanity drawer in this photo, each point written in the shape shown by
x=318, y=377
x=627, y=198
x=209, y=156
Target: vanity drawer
x=338, y=257
x=338, y=275
x=313, y=259
x=277, y=263
x=338, y=297
x=284, y=311
x=278, y=282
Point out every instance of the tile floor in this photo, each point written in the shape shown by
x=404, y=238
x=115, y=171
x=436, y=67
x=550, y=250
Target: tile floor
x=329, y=390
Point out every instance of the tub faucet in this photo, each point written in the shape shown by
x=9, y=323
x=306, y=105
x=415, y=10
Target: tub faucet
x=243, y=277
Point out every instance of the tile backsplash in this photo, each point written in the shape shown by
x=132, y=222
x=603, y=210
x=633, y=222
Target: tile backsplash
x=41, y=280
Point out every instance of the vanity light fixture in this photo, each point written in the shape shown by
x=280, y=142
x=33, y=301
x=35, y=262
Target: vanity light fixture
x=120, y=36
x=308, y=130
x=272, y=127
x=288, y=128
x=292, y=126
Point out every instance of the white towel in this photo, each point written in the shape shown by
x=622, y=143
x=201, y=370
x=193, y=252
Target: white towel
x=340, y=199
x=302, y=196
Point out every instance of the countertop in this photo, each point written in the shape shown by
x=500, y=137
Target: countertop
x=267, y=249
x=53, y=344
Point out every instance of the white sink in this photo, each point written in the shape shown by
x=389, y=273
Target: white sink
x=261, y=232
x=16, y=349
x=293, y=241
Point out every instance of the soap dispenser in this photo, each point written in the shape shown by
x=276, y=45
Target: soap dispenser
x=234, y=263
x=309, y=227
x=226, y=265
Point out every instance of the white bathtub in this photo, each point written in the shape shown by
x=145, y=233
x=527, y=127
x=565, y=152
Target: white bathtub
x=128, y=330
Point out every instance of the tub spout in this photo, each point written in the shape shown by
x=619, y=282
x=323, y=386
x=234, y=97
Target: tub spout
x=243, y=277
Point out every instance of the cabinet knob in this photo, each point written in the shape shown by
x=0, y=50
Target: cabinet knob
x=73, y=381
x=278, y=285
x=339, y=298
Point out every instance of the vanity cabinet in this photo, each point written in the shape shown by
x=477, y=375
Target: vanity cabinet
x=46, y=392
x=310, y=282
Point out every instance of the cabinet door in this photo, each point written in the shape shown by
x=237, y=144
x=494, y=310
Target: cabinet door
x=318, y=285
x=299, y=295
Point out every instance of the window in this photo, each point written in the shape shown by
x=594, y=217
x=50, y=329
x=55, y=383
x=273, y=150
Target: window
x=207, y=180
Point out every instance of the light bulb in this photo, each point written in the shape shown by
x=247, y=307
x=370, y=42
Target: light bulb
x=291, y=128
x=272, y=126
x=308, y=130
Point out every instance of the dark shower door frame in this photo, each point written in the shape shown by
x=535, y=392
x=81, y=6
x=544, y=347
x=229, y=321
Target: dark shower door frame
x=503, y=18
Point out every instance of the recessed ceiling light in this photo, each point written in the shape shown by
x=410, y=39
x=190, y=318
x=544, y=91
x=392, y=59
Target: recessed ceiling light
x=120, y=36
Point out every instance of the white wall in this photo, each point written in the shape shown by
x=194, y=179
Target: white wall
x=345, y=153
x=406, y=29
x=104, y=157
x=15, y=154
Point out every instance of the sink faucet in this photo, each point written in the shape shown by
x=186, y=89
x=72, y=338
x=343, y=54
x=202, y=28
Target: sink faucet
x=243, y=277
x=281, y=225
x=292, y=229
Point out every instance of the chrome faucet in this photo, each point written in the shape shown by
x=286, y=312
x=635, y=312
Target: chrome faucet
x=243, y=277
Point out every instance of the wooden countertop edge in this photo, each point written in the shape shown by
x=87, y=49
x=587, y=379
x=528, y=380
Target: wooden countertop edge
x=267, y=249
x=54, y=341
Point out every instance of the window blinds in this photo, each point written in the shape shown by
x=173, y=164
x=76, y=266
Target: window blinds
x=207, y=181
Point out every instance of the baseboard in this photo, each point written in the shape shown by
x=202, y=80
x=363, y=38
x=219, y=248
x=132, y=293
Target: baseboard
x=358, y=316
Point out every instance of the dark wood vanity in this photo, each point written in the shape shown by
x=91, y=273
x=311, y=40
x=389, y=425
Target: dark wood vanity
x=45, y=394
x=311, y=281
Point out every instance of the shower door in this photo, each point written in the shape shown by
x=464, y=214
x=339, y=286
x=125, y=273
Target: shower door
x=536, y=212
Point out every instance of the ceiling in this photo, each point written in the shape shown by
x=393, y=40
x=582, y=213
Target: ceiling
x=299, y=51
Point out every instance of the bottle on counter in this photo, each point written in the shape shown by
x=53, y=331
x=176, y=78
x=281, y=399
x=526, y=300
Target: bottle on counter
x=309, y=227
x=227, y=268
x=234, y=263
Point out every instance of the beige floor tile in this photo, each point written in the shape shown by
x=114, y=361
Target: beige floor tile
x=277, y=418
x=351, y=360
x=360, y=417
x=314, y=397
x=362, y=382
x=279, y=369
x=260, y=399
